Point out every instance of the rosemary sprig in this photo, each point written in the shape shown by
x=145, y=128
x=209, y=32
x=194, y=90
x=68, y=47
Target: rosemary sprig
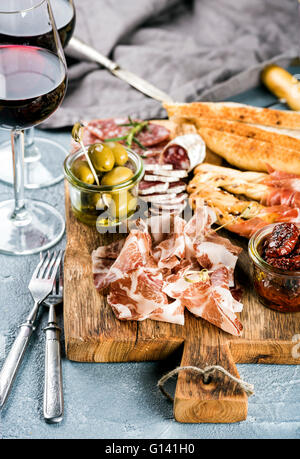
x=130, y=136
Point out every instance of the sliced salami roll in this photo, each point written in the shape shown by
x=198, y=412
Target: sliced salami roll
x=146, y=188
x=184, y=152
x=157, y=197
x=153, y=178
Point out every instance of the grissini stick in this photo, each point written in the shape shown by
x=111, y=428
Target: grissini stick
x=284, y=85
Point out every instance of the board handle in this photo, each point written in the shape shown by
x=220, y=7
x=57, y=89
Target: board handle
x=216, y=398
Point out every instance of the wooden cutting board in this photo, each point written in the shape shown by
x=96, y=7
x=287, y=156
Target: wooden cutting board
x=93, y=334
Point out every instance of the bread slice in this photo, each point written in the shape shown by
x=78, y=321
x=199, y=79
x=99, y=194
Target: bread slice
x=250, y=154
x=236, y=112
x=247, y=130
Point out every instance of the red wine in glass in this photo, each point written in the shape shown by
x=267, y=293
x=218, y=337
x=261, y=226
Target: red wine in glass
x=32, y=85
x=43, y=156
x=36, y=34
x=33, y=80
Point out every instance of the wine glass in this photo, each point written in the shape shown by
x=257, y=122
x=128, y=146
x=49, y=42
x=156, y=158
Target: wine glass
x=33, y=81
x=43, y=156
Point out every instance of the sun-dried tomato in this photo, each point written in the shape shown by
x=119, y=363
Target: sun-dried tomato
x=288, y=263
x=282, y=241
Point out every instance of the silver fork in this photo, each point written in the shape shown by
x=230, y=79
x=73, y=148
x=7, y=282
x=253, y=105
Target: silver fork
x=53, y=388
x=40, y=287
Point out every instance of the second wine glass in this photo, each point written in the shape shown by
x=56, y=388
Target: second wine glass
x=43, y=156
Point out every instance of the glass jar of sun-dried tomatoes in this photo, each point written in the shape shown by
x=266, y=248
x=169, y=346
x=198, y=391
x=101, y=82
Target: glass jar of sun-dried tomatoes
x=277, y=288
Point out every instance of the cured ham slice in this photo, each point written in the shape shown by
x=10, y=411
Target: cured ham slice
x=169, y=252
x=210, y=249
x=135, y=253
x=150, y=278
x=109, y=251
x=210, y=299
x=172, y=313
x=137, y=295
x=266, y=216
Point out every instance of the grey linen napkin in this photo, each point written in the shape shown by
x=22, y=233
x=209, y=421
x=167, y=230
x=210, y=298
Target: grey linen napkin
x=191, y=49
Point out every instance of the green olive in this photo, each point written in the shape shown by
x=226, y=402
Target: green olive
x=95, y=200
x=120, y=153
x=100, y=200
x=81, y=170
x=116, y=176
x=122, y=204
x=102, y=157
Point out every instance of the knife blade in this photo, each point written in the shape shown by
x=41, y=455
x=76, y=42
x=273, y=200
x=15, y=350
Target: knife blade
x=134, y=80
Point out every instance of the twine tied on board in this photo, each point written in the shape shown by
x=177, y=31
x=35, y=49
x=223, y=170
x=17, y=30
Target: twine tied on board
x=206, y=373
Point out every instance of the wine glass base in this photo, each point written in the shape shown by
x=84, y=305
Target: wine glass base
x=42, y=163
x=42, y=227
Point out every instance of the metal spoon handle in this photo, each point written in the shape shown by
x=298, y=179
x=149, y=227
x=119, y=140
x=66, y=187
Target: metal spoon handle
x=53, y=390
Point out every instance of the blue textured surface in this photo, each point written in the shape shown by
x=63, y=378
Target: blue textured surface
x=121, y=400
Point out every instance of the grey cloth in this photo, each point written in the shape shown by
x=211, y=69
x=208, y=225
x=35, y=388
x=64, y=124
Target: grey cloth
x=191, y=49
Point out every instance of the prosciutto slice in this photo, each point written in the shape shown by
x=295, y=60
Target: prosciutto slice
x=135, y=253
x=166, y=265
x=210, y=299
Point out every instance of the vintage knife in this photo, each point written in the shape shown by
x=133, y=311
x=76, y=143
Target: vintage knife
x=138, y=83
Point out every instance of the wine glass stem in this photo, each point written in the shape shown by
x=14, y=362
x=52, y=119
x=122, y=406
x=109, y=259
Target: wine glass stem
x=31, y=152
x=17, y=141
x=29, y=137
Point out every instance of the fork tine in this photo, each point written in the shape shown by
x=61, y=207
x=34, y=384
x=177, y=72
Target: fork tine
x=42, y=260
x=56, y=265
x=44, y=265
x=61, y=278
x=57, y=282
x=49, y=267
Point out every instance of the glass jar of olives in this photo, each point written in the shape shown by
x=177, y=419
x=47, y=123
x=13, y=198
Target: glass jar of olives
x=114, y=200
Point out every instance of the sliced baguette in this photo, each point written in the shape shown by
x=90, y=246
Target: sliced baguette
x=250, y=154
x=236, y=112
x=247, y=130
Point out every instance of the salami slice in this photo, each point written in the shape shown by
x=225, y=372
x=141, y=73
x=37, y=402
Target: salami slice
x=110, y=128
x=154, y=167
x=146, y=188
x=153, y=178
x=176, y=187
x=166, y=206
x=158, y=197
x=153, y=134
x=170, y=173
x=177, y=199
x=175, y=210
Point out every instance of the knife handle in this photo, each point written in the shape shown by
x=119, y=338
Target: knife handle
x=53, y=389
x=93, y=55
